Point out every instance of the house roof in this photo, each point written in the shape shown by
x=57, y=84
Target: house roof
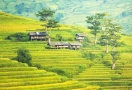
x=80, y=38
x=75, y=44
x=38, y=33
x=80, y=34
x=59, y=43
x=65, y=43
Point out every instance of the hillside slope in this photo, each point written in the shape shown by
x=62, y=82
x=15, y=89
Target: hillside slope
x=73, y=11
x=68, y=69
x=19, y=76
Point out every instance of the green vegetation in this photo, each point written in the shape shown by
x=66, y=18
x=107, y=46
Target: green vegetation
x=59, y=37
x=47, y=15
x=24, y=56
x=61, y=69
x=110, y=35
x=94, y=23
x=89, y=55
x=18, y=37
x=115, y=56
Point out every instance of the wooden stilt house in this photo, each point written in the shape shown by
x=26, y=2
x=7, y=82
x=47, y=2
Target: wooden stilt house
x=80, y=37
x=38, y=36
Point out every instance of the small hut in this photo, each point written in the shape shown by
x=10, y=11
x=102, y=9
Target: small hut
x=38, y=36
x=80, y=37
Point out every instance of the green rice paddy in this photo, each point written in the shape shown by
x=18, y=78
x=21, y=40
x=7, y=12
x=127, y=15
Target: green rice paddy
x=59, y=69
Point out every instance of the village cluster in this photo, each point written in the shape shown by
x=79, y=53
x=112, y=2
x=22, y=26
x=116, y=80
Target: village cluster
x=55, y=44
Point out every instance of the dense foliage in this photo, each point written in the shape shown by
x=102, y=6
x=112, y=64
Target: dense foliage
x=94, y=23
x=18, y=37
x=46, y=14
x=86, y=42
x=89, y=56
x=23, y=55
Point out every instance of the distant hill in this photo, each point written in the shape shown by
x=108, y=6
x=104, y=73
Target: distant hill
x=73, y=11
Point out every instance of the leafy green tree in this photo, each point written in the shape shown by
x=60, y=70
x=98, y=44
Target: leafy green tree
x=59, y=37
x=111, y=34
x=45, y=15
x=104, y=41
x=23, y=55
x=52, y=23
x=115, y=43
x=94, y=23
x=115, y=56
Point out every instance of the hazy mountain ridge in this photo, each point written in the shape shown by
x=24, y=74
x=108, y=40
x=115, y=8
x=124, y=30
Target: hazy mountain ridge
x=73, y=11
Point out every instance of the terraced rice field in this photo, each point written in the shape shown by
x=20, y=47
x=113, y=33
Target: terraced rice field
x=19, y=76
x=60, y=69
x=14, y=76
x=108, y=79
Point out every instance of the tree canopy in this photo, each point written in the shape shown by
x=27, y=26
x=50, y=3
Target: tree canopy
x=23, y=55
x=94, y=23
x=111, y=34
x=45, y=14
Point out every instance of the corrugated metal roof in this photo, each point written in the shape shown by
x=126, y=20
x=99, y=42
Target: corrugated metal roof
x=38, y=33
x=59, y=43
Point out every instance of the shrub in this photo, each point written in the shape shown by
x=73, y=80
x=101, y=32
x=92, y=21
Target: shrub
x=18, y=37
x=38, y=66
x=63, y=72
x=107, y=63
x=81, y=68
x=90, y=56
x=86, y=42
x=59, y=71
x=59, y=37
x=24, y=56
x=85, y=55
x=90, y=64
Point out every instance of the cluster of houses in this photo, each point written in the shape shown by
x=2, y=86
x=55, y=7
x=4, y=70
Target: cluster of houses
x=57, y=45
